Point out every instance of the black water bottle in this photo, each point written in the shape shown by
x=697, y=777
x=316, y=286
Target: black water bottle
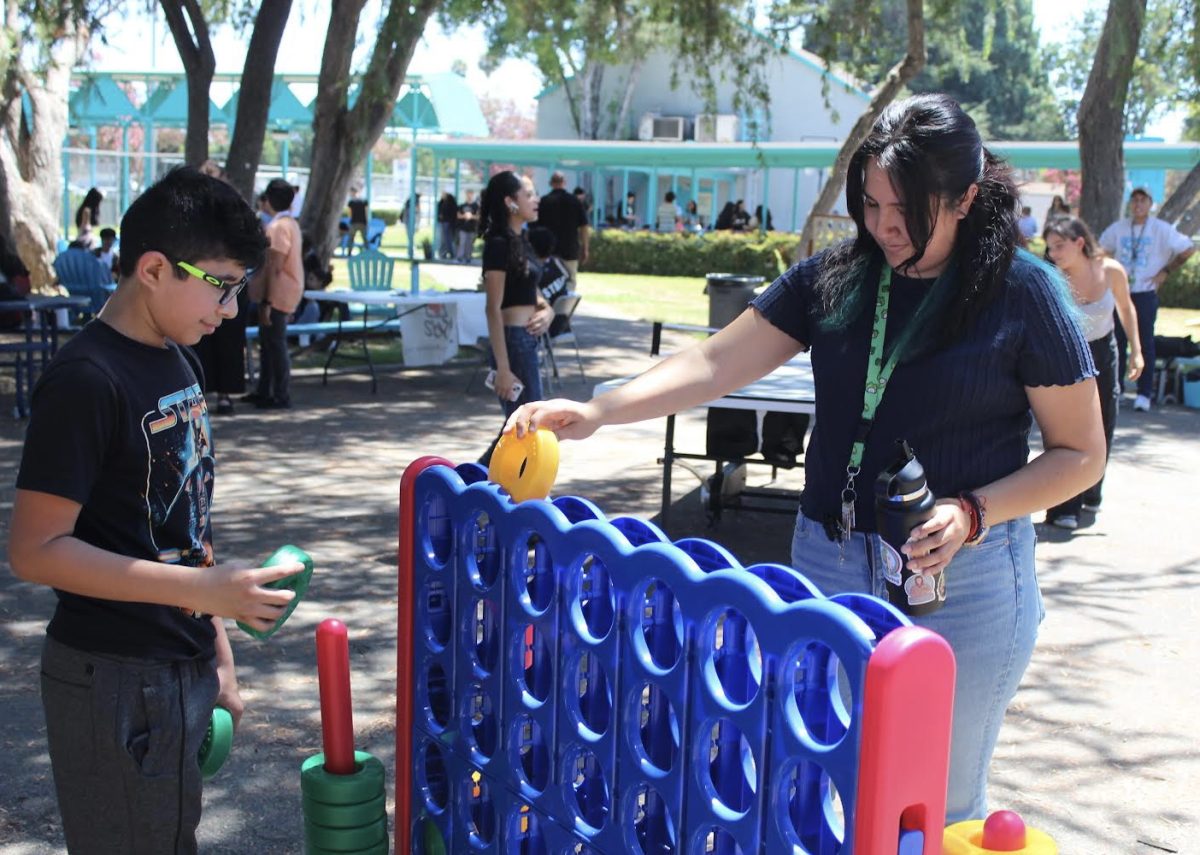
x=903, y=502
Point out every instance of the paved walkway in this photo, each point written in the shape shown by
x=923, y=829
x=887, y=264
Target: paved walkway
x=1099, y=748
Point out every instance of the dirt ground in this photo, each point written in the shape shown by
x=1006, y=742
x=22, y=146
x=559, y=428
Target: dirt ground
x=1099, y=748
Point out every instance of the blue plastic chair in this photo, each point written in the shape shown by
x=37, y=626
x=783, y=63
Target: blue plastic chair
x=370, y=270
x=82, y=274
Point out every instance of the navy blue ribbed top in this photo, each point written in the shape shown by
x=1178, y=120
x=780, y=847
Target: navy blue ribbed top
x=962, y=408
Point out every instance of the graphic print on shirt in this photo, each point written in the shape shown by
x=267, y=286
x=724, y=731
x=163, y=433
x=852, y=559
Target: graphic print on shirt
x=1133, y=252
x=179, y=477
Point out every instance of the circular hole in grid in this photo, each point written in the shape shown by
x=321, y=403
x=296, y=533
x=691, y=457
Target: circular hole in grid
x=538, y=576
x=439, y=534
x=532, y=752
x=535, y=663
x=593, y=693
x=485, y=634
x=653, y=826
x=658, y=733
x=735, y=657
x=720, y=842
x=525, y=830
x=821, y=698
x=594, y=598
x=815, y=814
x=435, y=783
x=481, y=811
x=480, y=713
x=437, y=696
x=484, y=566
x=732, y=772
x=658, y=624
x=437, y=614
x=591, y=789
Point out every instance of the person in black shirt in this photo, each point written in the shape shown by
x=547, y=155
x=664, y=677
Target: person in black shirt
x=931, y=327
x=468, y=219
x=447, y=220
x=563, y=214
x=359, y=217
x=112, y=510
x=517, y=313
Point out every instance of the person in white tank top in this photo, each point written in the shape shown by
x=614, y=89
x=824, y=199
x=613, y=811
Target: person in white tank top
x=1099, y=284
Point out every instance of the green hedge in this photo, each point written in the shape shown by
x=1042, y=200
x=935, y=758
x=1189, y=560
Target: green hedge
x=1182, y=289
x=390, y=216
x=673, y=254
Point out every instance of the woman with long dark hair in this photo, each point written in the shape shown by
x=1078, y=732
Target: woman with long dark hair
x=87, y=217
x=517, y=313
x=974, y=340
x=1099, y=284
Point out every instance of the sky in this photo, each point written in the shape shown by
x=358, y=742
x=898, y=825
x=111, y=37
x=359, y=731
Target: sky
x=139, y=43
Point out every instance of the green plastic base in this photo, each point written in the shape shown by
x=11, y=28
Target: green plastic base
x=364, y=785
x=297, y=582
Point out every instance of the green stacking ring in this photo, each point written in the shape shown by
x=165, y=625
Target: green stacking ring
x=343, y=839
x=366, y=783
x=217, y=744
x=381, y=848
x=297, y=582
x=345, y=816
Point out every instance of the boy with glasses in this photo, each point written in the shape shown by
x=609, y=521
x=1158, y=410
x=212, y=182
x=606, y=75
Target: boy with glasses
x=112, y=510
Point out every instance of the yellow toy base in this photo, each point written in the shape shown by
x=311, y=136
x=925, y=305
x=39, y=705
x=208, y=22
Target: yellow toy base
x=966, y=838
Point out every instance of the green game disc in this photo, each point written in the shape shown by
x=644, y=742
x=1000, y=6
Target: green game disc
x=217, y=744
x=297, y=582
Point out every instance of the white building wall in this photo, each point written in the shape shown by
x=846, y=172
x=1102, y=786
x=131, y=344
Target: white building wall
x=798, y=113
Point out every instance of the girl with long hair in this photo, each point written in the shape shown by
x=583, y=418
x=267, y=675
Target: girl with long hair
x=87, y=217
x=517, y=313
x=1099, y=284
x=978, y=339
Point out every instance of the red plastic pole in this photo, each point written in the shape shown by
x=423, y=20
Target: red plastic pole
x=337, y=716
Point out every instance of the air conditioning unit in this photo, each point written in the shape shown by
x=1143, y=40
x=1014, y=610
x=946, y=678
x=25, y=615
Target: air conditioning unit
x=662, y=128
x=718, y=128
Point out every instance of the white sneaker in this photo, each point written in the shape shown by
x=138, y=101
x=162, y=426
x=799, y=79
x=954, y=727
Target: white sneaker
x=1141, y=404
x=1091, y=507
x=1068, y=521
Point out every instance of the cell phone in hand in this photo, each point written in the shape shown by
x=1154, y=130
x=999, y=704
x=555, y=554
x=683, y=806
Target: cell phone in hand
x=517, y=389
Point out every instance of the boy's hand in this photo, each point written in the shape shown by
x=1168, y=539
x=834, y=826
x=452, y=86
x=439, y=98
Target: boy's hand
x=228, y=695
x=236, y=591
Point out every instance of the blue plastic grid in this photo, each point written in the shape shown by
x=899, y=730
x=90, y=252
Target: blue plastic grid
x=584, y=685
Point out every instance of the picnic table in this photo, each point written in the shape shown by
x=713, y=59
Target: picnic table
x=31, y=347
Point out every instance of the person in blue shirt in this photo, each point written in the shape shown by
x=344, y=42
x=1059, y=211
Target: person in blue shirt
x=984, y=340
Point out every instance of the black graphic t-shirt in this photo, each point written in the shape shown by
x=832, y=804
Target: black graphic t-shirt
x=122, y=428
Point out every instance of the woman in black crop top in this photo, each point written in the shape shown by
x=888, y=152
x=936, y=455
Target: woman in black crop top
x=517, y=313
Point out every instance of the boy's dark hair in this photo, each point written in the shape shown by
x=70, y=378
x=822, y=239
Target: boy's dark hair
x=279, y=194
x=187, y=215
x=542, y=240
x=106, y=232
x=670, y=197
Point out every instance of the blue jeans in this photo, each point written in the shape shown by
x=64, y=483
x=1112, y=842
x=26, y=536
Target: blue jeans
x=1145, y=303
x=992, y=611
x=523, y=362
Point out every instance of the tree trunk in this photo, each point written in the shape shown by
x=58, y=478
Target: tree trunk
x=635, y=72
x=1189, y=223
x=1183, y=197
x=31, y=156
x=1102, y=114
x=199, y=63
x=342, y=137
x=900, y=73
x=254, y=96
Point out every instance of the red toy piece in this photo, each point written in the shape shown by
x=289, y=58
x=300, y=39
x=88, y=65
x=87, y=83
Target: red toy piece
x=1004, y=831
x=337, y=717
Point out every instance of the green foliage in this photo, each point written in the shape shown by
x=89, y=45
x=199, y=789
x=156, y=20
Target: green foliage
x=1166, y=73
x=1182, y=289
x=673, y=254
x=390, y=216
x=984, y=53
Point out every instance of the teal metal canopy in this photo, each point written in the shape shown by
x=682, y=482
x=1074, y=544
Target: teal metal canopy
x=440, y=103
x=773, y=155
x=100, y=102
x=285, y=110
x=167, y=105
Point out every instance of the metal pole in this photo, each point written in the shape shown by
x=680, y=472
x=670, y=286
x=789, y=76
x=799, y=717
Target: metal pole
x=410, y=220
x=766, y=198
x=795, y=197
x=148, y=146
x=283, y=159
x=457, y=178
x=123, y=195
x=624, y=194
x=92, y=157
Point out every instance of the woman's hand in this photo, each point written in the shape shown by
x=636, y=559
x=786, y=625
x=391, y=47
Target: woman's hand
x=933, y=543
x=505, y=380
x=568, y=419
x=1136, y=365
x=540, y=320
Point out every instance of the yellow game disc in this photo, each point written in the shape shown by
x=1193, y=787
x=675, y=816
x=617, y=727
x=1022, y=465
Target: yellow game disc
x=525, y=467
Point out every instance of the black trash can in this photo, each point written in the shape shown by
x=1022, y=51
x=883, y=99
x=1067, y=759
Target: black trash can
x=728, y=296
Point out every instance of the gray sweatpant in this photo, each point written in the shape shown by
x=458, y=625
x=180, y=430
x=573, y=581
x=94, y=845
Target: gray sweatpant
x=124, y=734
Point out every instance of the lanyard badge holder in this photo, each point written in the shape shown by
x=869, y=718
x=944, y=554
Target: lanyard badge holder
x=878, y=374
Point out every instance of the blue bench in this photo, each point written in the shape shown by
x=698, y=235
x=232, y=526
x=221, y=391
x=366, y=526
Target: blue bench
x=375, y=229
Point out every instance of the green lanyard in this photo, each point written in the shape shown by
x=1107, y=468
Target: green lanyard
x=878, y=374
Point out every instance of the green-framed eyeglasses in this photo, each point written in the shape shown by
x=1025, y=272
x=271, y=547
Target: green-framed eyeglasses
x=229, y=290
